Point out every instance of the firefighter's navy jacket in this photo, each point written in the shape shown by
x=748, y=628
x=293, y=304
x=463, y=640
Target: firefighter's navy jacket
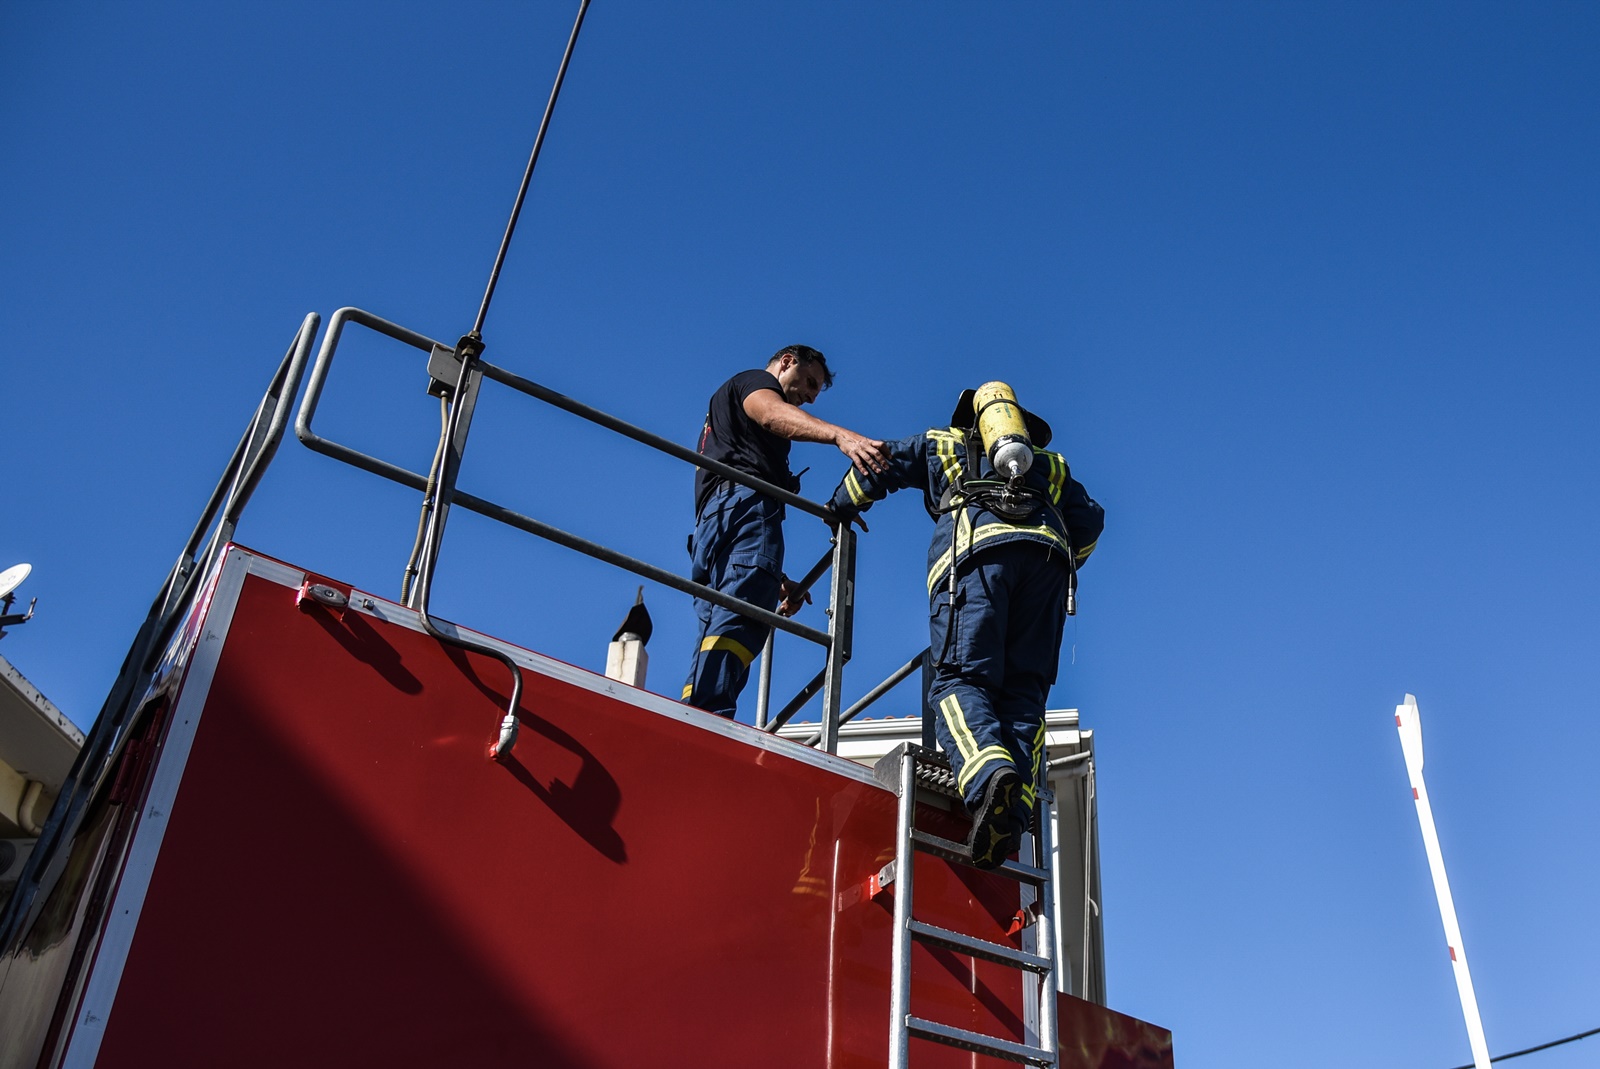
x=934, y=460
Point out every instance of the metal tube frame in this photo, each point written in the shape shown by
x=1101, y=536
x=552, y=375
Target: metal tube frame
x=898, y=676
x=764, y=683
x=841, y=558
x=905, y=867
x=176, y=597
x=1045, y=942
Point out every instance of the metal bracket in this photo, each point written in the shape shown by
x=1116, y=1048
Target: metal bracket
x=320, y=592
x=881, y=880
x=1024, y=918
x=872, y=887
x=444, y=368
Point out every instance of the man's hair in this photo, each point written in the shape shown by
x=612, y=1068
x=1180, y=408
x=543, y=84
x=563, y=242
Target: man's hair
x=804, y=355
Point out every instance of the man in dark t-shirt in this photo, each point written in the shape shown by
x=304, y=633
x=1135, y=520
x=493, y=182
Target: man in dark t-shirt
x=737, y=544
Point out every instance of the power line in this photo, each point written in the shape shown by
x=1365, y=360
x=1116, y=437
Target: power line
x=1542, y=1046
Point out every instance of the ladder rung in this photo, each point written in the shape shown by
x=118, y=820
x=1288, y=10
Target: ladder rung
x=979, y=948
x=954, y=851
x=980, y=1043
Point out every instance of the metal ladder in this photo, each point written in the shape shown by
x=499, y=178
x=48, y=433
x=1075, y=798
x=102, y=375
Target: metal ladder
x=907, y=769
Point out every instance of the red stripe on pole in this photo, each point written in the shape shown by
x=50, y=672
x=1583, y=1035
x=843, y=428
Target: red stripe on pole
x=1452, y=953
x=1397, y=720
x=1414, y=794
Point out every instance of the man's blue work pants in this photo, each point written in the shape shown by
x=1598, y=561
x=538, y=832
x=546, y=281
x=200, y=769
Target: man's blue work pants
x=991, y=680
x=738, y=550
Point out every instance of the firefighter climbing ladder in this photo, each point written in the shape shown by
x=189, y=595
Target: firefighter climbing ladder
x=908, y=769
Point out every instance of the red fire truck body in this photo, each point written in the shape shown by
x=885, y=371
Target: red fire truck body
x=306, y=856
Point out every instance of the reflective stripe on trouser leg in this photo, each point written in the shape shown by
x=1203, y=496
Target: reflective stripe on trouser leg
x=969, y=758
x=999, y=664
x=964, y=685
x=1029, y=789
x=737, y=549
x=728, y=642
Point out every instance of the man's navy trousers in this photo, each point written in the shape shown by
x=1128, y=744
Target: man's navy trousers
x=737, y=549
x=992, y=674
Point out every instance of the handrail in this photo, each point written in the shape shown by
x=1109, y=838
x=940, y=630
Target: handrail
x=894, y=679
x=493, y=510
x=120, y=711
x=654, y=441
x=836, y=639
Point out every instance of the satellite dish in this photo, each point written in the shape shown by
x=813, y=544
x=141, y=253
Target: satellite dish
x=13, y=576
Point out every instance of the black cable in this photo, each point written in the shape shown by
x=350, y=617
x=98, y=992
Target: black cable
x=1542, y=1046
x=527, y=176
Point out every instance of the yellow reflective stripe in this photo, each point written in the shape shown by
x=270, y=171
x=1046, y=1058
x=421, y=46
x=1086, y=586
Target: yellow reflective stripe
x=1083, y=554
x=1038, y=757
x=688, y=689
x=956, y=721
x=963, y=543
x=966, y=539
x=1058, y=477
x=944, y=445
x=858, y=496
x=973, y=759
x=733, y=646
x=986, y=757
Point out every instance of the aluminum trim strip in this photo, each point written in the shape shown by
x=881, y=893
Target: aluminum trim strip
x=105, y=975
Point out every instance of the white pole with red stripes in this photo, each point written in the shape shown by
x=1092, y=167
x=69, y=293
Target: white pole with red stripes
x=1409, y=722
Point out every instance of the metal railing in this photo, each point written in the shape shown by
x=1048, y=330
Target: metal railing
x=178, y=594
x=838, y=562
x=123, y=706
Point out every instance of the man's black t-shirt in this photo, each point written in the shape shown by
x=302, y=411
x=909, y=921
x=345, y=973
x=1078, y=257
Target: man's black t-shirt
x=734, y=438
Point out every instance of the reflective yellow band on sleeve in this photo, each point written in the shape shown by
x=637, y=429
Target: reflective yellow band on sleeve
x=728, y=645
x=1083, y=554
x=858, y=496
x=944, y=446
x=688, y=689
x=1058, y=477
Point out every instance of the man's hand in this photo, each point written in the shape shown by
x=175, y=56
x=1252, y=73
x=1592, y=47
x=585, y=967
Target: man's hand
x=793, y=597
x=869, y=455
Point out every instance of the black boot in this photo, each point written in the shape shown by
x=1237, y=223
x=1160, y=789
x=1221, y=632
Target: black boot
x=996, y=823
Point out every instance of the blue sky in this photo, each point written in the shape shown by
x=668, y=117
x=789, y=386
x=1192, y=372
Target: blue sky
x=1309, y=292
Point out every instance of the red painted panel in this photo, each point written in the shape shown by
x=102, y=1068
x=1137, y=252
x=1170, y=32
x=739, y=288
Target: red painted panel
x=1093, y=1037
x=346, y=878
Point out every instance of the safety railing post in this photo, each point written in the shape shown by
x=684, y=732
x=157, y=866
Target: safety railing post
x=764, y=684
x=841, y=622
x=467, y=403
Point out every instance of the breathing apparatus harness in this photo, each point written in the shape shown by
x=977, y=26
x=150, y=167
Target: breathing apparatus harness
x=1009, y=498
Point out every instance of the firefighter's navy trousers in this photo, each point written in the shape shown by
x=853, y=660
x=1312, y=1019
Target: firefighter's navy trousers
x=737, y=549
x=990, y=682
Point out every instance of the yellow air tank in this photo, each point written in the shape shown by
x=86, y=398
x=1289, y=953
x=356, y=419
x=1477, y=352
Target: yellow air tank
x=1005, y=435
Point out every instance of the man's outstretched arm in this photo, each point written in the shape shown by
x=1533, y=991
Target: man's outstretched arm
x=768, y=408
x=907, y=467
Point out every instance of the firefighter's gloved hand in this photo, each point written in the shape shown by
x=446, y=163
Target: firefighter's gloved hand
x=845, y=509
x=846, y=513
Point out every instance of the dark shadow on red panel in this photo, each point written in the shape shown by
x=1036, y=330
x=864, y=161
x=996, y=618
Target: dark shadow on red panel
x=588, y=805
x=363, y=642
